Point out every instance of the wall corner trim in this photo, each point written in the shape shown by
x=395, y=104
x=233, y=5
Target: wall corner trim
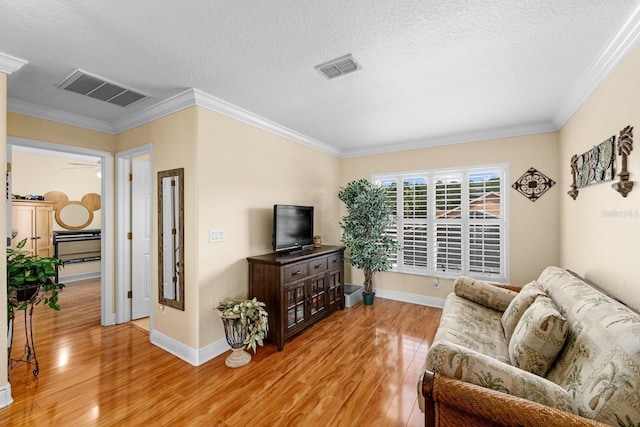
x=186, y=353
x=5, y=395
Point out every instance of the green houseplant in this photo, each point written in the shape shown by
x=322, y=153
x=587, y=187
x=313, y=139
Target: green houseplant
x=364, y=230
x=28, y=283
x=26, y=275
x=246, y=323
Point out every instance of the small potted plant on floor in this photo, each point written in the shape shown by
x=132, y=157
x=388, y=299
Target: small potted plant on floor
x=246, y=323
x=364, y=230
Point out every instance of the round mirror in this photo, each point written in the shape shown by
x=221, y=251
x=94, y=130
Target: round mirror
x=74, y=216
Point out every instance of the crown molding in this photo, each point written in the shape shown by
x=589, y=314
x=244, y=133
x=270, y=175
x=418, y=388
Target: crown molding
x=46, y=113
x=10, y=64
x=212, y=103
x=529, y=129
x=618, y=47
x=179, y=102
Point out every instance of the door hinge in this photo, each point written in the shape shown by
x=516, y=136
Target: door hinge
x=129, y=236
x=130, y=177
x=130, y=294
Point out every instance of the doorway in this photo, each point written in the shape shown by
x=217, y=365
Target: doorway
x=134, y=230
x=103, y=168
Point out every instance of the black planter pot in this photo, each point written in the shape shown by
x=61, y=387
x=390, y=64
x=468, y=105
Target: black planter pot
x=368, y=298
x=27, y=294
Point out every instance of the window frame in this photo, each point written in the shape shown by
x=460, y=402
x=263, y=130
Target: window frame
x=465, y=221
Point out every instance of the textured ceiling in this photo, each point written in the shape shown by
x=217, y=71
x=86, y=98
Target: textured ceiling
x=432, y=72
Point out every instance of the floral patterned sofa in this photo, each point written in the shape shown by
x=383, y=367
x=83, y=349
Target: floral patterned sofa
x=559, y=352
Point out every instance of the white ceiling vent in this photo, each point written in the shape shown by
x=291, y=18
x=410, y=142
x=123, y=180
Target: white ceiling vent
x=338, y=67
x=99, y=88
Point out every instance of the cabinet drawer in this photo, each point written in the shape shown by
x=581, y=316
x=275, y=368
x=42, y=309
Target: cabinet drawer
x=296, y=272
x=318, y=265
x=335, y=261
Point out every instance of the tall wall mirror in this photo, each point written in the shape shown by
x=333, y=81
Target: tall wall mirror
x=171, y=238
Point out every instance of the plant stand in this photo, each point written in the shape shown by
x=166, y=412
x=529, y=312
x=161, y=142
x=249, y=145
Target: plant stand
x=236, y=333
x=29, y=354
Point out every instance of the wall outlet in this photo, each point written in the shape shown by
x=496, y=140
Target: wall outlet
x=436, y=283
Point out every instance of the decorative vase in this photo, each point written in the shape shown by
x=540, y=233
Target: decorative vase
x=236, y=333
x=368, y=298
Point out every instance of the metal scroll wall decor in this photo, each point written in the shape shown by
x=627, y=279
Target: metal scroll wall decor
x=598, y=164
x=625, y=145
x=533, y=184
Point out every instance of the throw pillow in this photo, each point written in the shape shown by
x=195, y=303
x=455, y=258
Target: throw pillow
x=483, y=293
x=518, y=306
x=538, y=337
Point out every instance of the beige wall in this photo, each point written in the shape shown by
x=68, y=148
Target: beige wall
x=242, y=172
x=600, y=236
x=173, y=141
x=22, y=126
x=534, y=226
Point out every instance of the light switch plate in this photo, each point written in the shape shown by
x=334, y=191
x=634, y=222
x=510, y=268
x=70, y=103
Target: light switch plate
x=216, y=236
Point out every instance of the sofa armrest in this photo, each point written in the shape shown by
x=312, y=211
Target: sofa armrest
x=451, y=402
x=458, y=362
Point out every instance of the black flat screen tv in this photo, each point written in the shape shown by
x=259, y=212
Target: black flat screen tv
x=292, y=227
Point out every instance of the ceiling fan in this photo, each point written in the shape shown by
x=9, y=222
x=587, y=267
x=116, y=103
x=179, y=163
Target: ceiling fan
x=80, y=165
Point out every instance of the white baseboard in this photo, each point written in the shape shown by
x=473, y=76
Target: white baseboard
x=412, y=298
x=5, y=395
x=79, y=276
x=205, y=354
x=188, y=354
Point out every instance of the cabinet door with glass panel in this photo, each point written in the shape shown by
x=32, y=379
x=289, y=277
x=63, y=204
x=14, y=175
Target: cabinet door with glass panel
x=295, y=297
x=335, y=289
x=317, y=295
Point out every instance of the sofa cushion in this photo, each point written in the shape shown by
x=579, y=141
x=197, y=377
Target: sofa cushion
x=538, y=337
x=518, y=306
x=458, y=362
x=600, y=364
x=483, y=293
x=473, y=326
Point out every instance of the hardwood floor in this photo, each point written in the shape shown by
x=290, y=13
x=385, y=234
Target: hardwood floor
x=358, y=367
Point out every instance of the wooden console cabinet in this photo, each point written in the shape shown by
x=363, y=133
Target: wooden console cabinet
x=33, y=220
x=298, y=288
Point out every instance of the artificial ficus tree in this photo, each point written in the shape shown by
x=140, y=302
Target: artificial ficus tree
x=364, y=228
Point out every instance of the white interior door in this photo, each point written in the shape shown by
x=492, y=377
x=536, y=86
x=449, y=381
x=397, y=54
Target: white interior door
x=141, y=229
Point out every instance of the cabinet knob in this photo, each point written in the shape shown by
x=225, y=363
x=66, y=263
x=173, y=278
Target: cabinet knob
x=317, y=266
x=296, y=273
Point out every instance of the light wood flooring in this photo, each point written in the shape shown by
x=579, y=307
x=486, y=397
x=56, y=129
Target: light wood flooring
x=358, y=367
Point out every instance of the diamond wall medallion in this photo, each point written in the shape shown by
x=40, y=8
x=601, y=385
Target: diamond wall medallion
x=533, y=184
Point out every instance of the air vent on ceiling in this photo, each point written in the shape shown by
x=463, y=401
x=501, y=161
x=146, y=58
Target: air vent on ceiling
x=99, y=88
x=338, y=67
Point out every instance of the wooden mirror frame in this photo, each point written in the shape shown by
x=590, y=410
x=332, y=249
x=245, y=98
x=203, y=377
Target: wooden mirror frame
x=176, y=227
x=74, y=226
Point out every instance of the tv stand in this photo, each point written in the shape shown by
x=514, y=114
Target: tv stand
x=299, y=288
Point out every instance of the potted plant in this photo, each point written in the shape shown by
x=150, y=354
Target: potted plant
x=27, y=274
x=364, y=230
x=28, y=283
x=246, y=323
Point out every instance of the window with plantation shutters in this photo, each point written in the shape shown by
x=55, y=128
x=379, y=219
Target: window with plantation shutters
x=449, y=222
x=414, y=232
x=391, y=191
